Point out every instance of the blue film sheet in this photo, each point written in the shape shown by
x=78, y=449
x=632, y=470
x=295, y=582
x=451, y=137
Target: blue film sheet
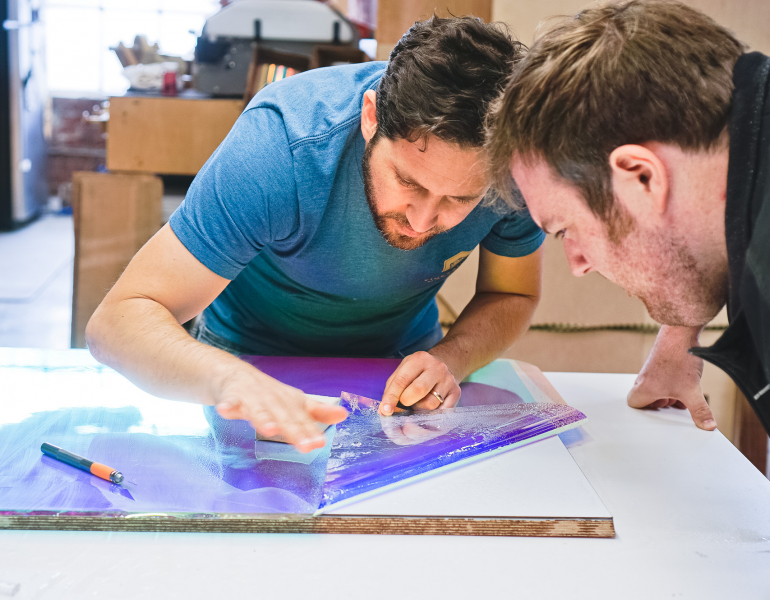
x=371, y=451
x=178, y=458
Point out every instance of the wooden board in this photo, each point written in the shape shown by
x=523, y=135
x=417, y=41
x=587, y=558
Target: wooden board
x=369, y=525
x=114, y=216
x=173, y=136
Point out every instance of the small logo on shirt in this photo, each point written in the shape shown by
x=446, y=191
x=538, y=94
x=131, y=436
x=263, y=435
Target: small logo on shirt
x=455, y=261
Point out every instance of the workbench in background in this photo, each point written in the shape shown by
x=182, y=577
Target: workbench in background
x=116, y=213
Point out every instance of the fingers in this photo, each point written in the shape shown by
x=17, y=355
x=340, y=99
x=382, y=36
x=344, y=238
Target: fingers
x=261, y=420
x=275, y=409
x=413, y=382
x=701, y=414
x=672, y=377
x=409, y=369
x=294, y=421
x=430, y=402
x=420, y=390
x=692, y=399
x=324, y=413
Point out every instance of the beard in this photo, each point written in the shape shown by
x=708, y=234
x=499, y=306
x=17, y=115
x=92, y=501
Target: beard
x=661, y=270
x=385, y=222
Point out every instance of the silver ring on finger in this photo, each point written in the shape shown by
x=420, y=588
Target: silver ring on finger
x=439, y=397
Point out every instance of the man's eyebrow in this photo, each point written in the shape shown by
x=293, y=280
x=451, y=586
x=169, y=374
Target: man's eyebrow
x=466, y=198
x=410, y=181
x=405, y=178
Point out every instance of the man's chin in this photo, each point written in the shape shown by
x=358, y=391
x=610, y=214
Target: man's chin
x=405, y=242
x=667, y=313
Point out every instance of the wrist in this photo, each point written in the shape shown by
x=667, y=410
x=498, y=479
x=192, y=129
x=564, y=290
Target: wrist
x=445, y=355
x=680, y=337
x=226, y=371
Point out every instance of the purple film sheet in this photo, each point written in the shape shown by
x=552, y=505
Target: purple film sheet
x=180, y=459
x=370, y=451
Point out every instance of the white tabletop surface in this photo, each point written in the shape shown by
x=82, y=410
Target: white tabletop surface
x=540, y=479
x=692, y=519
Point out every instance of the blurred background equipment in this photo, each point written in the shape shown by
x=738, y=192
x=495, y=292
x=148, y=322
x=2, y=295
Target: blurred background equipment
x=226, y=46
x=23, y=96
x=148, y=70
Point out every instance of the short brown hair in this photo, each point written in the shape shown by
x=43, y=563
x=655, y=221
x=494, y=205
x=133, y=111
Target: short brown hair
x=622, y=73
x=442, y=76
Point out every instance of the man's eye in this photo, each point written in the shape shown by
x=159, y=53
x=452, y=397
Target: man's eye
x=407, y=184
x=560, y=234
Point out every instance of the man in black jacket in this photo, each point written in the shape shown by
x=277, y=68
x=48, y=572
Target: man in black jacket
x=639, y=132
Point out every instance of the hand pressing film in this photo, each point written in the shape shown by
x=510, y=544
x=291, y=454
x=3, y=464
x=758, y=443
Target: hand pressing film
x=276, y=410
x=322, y=427
x=422, y=382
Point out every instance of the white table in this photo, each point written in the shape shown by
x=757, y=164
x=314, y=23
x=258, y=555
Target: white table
x=692, y=519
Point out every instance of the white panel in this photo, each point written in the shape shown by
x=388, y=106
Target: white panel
x=297, y=20
x=537, y=480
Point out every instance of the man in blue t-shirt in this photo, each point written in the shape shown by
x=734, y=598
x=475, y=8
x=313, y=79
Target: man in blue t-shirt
x=324, y=224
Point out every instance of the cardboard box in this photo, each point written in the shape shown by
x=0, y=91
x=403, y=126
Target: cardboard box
x=114, y=216
x=172, y=136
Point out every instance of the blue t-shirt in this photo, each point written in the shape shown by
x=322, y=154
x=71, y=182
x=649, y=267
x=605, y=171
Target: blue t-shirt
x=280, y=209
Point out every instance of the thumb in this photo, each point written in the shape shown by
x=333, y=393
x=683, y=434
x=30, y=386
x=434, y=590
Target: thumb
x=390, y=399
x=701, y=413
x=325, y=413
x=229, y=409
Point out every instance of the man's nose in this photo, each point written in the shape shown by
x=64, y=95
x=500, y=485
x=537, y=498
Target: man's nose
x=423, y=215
x=577, y=261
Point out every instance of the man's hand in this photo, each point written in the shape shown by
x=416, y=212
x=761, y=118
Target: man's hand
x=274, y=408
x=671, y=376
x=136, y=330
x=507, y=291
x=413, y=382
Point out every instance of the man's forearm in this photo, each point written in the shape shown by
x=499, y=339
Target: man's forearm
x=140, y=339
x=489, y=325
x=671, y=339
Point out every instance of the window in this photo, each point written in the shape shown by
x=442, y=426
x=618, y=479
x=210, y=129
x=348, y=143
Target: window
x=79, y=34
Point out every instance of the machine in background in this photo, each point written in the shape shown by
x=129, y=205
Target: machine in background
x=23, y=146
x=226, y=46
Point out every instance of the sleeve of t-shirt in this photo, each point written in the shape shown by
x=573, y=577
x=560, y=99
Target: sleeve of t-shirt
x=514, y=235
x=243, y=198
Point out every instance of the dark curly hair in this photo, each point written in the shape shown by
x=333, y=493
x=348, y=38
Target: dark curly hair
x=441, y=77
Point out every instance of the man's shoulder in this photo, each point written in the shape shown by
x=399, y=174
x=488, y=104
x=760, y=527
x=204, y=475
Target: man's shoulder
x=320, y=103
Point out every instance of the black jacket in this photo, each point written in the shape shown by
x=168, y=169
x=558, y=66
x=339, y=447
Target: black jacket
x=743, y=351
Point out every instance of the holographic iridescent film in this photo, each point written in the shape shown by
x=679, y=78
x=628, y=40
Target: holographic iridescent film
x=371, y=451
x=179, y=458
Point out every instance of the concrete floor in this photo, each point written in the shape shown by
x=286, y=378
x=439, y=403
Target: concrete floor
x=36, y=265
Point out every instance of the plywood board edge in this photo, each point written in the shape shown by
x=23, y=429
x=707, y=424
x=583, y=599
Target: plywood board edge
x=328, y=524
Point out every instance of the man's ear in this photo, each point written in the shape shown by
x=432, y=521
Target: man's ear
x=639, y=179
x=369, y=115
